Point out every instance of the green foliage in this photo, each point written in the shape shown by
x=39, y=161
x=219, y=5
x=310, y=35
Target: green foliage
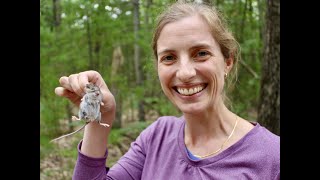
x=45, y=146
x=133, y=129
x=90, y=30
x=246, y=24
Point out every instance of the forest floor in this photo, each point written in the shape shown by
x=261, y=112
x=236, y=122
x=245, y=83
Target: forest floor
x=57, y=159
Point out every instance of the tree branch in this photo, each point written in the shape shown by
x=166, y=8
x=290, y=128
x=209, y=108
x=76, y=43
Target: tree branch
x=249, y=69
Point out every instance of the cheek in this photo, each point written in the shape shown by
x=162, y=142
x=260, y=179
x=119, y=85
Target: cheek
x=214, y=69
x=212, y=72
x=164, y=75
x=162, y=80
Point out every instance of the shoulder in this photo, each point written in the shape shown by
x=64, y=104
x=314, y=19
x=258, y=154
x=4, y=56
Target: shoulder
x=261, y=142
x=261, y=149
x=266, y=138
x=164, y=127
x=265, y=145
x=168, y=121
x=165, y=124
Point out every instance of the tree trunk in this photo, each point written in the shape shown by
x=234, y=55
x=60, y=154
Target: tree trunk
x=147, y=15
x=56, y=13
x=269, y=104
x=89, y=38
x=117, y=62
x=97, y=47
x=261, y=8
x=117, y=93
x=136, y=23
x=243, y=21
x=137, y=63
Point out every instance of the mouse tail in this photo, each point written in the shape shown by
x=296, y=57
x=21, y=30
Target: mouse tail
x=68, y=134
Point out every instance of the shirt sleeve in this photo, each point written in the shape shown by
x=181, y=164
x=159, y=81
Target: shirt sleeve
x=131, y=164
x=88, y=167
x=128, y=167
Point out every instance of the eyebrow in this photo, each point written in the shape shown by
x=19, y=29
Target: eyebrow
x=165, y=51
x=196, y=46
x=201, y=45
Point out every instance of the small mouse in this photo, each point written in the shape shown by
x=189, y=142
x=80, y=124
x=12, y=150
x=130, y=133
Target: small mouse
x=89, y=108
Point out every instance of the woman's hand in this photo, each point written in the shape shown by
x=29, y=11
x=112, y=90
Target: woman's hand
x=95, y=137
x=73, y=86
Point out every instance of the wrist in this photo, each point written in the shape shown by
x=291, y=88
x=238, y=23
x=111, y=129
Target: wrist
x=107, y=117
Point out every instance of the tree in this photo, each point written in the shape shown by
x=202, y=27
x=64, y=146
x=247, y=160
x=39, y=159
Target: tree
x=56, y=13
x=137, y=62
x=269, y=103
x=117, y=62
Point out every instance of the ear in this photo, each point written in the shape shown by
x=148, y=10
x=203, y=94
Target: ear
x=229, y=64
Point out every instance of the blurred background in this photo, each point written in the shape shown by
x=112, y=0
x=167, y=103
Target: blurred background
x=113, y=37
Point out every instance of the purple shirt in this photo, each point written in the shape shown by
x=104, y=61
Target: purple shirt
x=159, y=153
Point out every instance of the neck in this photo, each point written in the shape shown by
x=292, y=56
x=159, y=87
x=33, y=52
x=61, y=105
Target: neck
x=202, y=128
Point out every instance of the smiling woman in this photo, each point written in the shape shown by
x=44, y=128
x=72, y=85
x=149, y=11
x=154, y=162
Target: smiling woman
x=195, y=62
x=195, y=55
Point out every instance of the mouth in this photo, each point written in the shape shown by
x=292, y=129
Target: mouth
x=189, y=91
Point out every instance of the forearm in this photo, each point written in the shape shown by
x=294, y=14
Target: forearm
x=89, y=167
x=95, y=137
x=92, y=157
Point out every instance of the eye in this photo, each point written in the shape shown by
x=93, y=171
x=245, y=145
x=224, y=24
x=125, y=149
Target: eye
x=202, y=55
x=168, y=59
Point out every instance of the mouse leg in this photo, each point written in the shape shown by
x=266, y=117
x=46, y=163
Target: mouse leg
x=75, y=118
x=99, y=119
x=82, y=115
x=104, y=124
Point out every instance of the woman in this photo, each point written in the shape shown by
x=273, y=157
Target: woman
x=195, y=55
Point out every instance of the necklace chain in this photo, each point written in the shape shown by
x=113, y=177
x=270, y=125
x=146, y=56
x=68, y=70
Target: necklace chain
x=218, y=150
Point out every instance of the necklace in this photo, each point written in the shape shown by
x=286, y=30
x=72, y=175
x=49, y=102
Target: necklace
x=210, y=154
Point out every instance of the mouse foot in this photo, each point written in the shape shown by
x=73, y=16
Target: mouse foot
x=104, y=124
x=75, y=118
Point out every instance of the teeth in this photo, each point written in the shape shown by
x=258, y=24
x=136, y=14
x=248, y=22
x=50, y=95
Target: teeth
x=190, y=91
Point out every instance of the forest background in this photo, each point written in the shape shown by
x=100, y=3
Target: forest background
x=113, y=37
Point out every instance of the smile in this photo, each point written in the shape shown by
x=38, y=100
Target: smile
x=190, y=91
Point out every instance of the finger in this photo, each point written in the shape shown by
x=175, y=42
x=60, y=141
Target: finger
x=74, y=83
x=64, y=82
x=63, y=92
x=83, y=79
x=94, y=77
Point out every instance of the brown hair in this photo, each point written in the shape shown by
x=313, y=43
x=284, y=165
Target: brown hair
x=229, y=46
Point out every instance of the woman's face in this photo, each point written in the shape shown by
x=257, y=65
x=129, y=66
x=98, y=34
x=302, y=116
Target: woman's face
x=191, y=66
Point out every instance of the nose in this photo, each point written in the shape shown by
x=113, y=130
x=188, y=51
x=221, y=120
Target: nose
x=186, y=71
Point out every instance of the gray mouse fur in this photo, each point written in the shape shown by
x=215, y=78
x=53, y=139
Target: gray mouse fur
x=89, y=108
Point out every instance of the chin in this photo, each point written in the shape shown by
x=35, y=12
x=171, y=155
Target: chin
x=191, y=108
